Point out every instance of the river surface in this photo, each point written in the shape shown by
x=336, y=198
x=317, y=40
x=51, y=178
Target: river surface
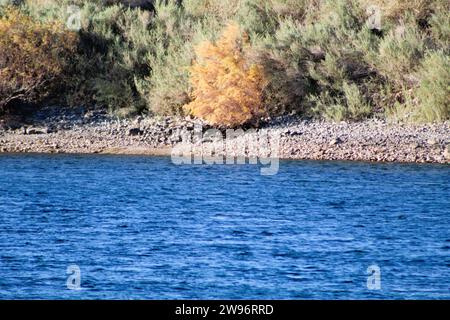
x=126, y=227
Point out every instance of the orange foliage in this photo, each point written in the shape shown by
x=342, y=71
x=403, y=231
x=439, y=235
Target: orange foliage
x=226, y=89
x=33, y=56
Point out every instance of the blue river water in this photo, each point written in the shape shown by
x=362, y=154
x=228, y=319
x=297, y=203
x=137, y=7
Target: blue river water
x=144, y=228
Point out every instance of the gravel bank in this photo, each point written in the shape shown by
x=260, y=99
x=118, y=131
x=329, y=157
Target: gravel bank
x=96, y=132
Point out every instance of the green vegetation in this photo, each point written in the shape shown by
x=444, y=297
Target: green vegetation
x=319, y=58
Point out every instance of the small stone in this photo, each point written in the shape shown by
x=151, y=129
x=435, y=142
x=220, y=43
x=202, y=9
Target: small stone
x=432, y=142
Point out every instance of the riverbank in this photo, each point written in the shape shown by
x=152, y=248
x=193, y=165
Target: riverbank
x=76, y=131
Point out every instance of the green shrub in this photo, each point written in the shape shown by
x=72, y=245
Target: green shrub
x=433, y=93
x=257, y=17
x=218, y=9
x=166, y=90
x=400, y=52
x=440, y=27
x=285, y=62
x=296, y=9
x=351, y=105
x=166, y=87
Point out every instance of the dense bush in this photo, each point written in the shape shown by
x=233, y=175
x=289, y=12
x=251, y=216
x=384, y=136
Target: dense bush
x=111, y=56
x=166, y=87
x=403, y=48
x=430, y=99
x=320, y=57
x=226, y=89
x=285, y=60
x=34, y=57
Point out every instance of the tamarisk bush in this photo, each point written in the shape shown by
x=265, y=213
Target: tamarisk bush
x=226, y=89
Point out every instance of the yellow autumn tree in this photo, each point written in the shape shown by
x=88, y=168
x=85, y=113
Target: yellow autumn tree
x=33, y=56
x=227, y=90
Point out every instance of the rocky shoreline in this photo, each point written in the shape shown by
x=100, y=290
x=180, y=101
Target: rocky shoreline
x=97, y=132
